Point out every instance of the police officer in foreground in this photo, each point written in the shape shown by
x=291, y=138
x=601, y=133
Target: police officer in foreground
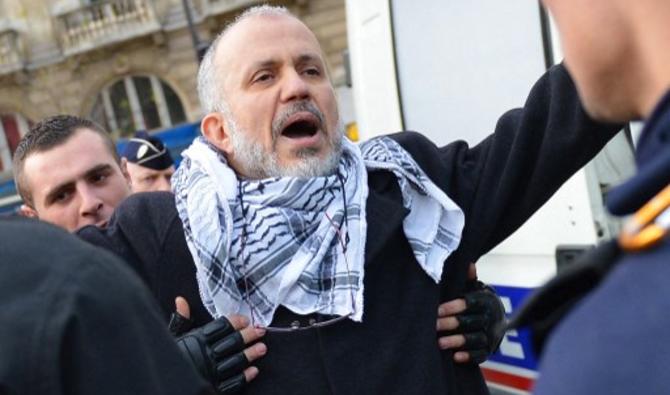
x=602, y=325
x=149, y=163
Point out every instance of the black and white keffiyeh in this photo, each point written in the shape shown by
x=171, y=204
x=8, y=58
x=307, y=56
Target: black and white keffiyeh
x=281, y=238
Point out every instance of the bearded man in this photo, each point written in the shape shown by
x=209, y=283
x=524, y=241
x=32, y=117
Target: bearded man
x=343, y=253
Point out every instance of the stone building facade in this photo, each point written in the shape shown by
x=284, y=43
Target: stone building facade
x=130, y=64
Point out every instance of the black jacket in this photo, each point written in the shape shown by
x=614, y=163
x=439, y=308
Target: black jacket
x=74, y=320
x=499, y=183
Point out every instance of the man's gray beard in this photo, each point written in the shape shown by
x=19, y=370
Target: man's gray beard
x=257, y=164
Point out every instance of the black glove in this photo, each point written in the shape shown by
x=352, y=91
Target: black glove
x=179, y=324
x=216, y=351
x=483, y=321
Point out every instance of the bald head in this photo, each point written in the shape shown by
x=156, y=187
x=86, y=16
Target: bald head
x=214, y=64
x=271, y=107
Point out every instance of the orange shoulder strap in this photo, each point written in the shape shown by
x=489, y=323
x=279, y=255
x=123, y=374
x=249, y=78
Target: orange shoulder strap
x=648, y=225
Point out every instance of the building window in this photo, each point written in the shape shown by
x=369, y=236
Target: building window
x=137, y=103
x=12, y=127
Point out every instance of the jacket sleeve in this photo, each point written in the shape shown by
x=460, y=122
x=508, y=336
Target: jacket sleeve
x=502, y=181
x=112, y=340
x=145, y=231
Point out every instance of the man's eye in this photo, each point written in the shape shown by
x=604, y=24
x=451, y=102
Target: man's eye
x=98, y=177
x=61, y=197
x=313, y=71
x=263, y=77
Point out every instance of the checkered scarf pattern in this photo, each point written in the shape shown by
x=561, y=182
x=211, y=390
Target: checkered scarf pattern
x=258, y=244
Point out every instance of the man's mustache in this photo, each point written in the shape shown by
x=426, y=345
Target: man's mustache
x=280, y=123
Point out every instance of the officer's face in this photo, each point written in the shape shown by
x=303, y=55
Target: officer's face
x=144, y=179
x=283, y=112
x=597, y=42
x=75, y=184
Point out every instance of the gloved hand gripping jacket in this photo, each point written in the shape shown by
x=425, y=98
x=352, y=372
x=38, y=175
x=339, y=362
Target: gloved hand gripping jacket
x=483, y=321
x=216, y=351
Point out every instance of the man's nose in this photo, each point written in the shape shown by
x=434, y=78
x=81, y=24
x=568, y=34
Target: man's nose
x=90, y=203
x=163, y=184
x=294, y=87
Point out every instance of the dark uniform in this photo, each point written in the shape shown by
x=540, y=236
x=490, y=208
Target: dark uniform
x=498, y=184
x=74, y=320
x=606, y=320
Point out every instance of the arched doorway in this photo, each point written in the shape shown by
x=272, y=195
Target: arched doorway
x=137, y=102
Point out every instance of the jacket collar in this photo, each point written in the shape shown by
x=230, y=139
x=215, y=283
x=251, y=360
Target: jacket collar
x=653, y=164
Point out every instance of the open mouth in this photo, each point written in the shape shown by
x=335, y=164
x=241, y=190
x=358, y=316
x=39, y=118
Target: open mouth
x=300, y=128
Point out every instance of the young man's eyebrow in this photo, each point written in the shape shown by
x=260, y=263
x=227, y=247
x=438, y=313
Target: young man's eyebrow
x=58, y=189
x=101, y=168
x=104, y=167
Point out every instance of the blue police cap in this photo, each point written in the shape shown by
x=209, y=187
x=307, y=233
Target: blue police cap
x=147, y=151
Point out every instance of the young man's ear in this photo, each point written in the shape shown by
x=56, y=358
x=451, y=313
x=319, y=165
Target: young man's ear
x=213, y=127
x=27, y=211
x=124, y=170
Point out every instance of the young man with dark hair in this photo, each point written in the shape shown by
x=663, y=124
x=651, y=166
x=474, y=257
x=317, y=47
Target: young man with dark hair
x=68, y=173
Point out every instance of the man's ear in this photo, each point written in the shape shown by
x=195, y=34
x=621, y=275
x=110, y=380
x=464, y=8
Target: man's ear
x=27, y=211
x=124, y=170
x=213, y=127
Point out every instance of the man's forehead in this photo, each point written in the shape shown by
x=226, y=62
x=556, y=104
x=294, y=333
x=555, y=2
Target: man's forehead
x=259, y=37
x=82, y=142
x=83, y=151
x=140, y=171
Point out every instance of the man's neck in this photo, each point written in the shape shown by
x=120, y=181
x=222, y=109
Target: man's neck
x=652, y=38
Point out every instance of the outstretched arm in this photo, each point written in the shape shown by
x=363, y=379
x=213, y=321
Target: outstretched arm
x=502, y=181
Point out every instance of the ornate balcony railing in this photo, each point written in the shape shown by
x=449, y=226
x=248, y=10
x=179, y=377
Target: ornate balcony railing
x=11, y=51
x=106, y=22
